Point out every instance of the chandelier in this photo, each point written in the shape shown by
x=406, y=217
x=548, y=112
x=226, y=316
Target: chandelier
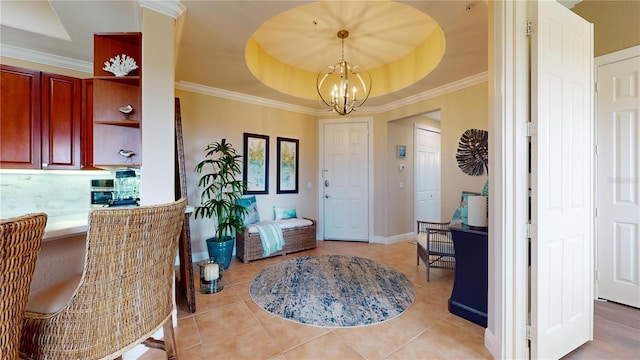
x=340, y=87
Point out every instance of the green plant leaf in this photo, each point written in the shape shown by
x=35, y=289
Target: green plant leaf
x=220, y=188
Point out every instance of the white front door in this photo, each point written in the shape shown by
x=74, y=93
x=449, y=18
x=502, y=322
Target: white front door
x=561, y=180
x=345, y=168
x=427, y=175
x=618, y=187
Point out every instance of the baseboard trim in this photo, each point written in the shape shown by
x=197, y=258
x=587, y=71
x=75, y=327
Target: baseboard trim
x=492, y=344
x=393, y=239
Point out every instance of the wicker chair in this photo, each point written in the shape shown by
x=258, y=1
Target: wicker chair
x=435, y=246
x=124, y=295
x=20, y=241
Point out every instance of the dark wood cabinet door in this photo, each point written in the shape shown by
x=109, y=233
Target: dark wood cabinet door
x=61, y=109
x=20, y=118
x=86, y=128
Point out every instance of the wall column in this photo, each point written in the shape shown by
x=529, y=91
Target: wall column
x=158, y=89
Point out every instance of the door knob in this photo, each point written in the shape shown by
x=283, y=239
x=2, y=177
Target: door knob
x=327, y=196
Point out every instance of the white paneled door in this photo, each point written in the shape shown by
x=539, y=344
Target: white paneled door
x=618, y=184
x=561, y=180
x=427, y=175
x=346, y=181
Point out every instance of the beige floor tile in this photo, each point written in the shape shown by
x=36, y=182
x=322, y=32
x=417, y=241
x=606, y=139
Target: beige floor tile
x=453, y=342
x=415, y=350
x=288, y=334
x=279, y=357
x=192, y=353
x=415, y=321
x=239, y=275
x=466, y=324
x=253, y=342
x=378, y=341
x=241, y=290
x=228, y=319
x=326, y=347
x=257, y=311
x=153, y=354
x=186, y=333
x=206, y=302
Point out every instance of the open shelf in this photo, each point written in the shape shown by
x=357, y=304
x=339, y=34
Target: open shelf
x=129, y=80
x=113, y=167
x=112, y=131
x=123, y=122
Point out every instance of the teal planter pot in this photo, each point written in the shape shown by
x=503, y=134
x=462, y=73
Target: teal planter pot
x=221, y=251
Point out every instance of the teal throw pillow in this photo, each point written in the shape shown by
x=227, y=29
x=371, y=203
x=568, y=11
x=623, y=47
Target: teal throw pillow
x=252, y=216
x=284, y=213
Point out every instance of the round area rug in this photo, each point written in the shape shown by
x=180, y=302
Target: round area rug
x=332, y=291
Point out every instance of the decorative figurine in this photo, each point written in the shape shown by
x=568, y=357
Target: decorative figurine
x=120, y=65
x=126, y=110
x=127, y=154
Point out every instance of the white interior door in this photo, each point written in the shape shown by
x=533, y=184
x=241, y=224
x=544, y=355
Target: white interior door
x=617, y=185
x=427, y=175
x=346, y=181
x=561, y=180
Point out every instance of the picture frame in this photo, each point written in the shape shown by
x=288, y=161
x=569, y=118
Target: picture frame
x=288, y=165
x=402, y=151
x=256, y=163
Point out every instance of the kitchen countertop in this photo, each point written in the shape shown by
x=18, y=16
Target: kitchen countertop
x=72, y=224
x=64, y=226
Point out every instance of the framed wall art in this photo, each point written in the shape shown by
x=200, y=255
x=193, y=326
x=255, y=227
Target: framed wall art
x=402, y=151
x=287, y=166
x=256, y=163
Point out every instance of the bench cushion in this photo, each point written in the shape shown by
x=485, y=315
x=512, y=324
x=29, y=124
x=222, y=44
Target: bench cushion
x=298, y=235
x=284, y=224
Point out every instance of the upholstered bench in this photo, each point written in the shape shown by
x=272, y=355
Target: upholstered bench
x=298, y=233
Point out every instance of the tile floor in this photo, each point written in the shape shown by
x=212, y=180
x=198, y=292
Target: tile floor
x=229, y=325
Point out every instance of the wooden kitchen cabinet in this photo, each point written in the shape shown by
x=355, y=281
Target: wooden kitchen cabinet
x=112, y=130
x=61, y=109
x=86, y=128
x=40, y=120
x=20, y=118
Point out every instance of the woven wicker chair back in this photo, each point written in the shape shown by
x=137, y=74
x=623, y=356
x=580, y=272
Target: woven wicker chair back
x=126, y=290
x=20, y=241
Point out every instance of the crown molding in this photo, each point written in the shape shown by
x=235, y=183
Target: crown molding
x=445, y=89
x=46, y=59
x=255, y=100
x=172, y=8
x=619, y=55
x=250, y=99
x=86, y=66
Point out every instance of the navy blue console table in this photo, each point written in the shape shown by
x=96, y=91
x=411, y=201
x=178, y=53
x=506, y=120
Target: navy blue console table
x=469, y=295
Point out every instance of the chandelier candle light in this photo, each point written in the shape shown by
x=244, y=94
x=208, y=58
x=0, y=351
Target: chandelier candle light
x=335, y=89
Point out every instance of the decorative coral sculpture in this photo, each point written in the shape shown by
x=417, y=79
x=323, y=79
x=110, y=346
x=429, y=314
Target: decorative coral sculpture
x=120, y=65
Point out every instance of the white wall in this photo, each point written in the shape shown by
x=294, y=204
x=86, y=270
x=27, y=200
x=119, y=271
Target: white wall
x=158, y=135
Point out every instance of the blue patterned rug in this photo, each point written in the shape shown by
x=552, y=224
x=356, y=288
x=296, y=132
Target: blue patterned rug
x=332, y=291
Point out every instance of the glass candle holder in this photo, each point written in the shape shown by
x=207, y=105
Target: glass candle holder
x=210, y=277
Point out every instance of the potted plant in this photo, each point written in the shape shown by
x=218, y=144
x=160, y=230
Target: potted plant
x=219, y=198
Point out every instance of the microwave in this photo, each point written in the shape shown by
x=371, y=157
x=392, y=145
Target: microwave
x=101, y=192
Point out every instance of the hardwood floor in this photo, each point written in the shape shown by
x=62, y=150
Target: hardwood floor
x=229, y=325
x=616, y=333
